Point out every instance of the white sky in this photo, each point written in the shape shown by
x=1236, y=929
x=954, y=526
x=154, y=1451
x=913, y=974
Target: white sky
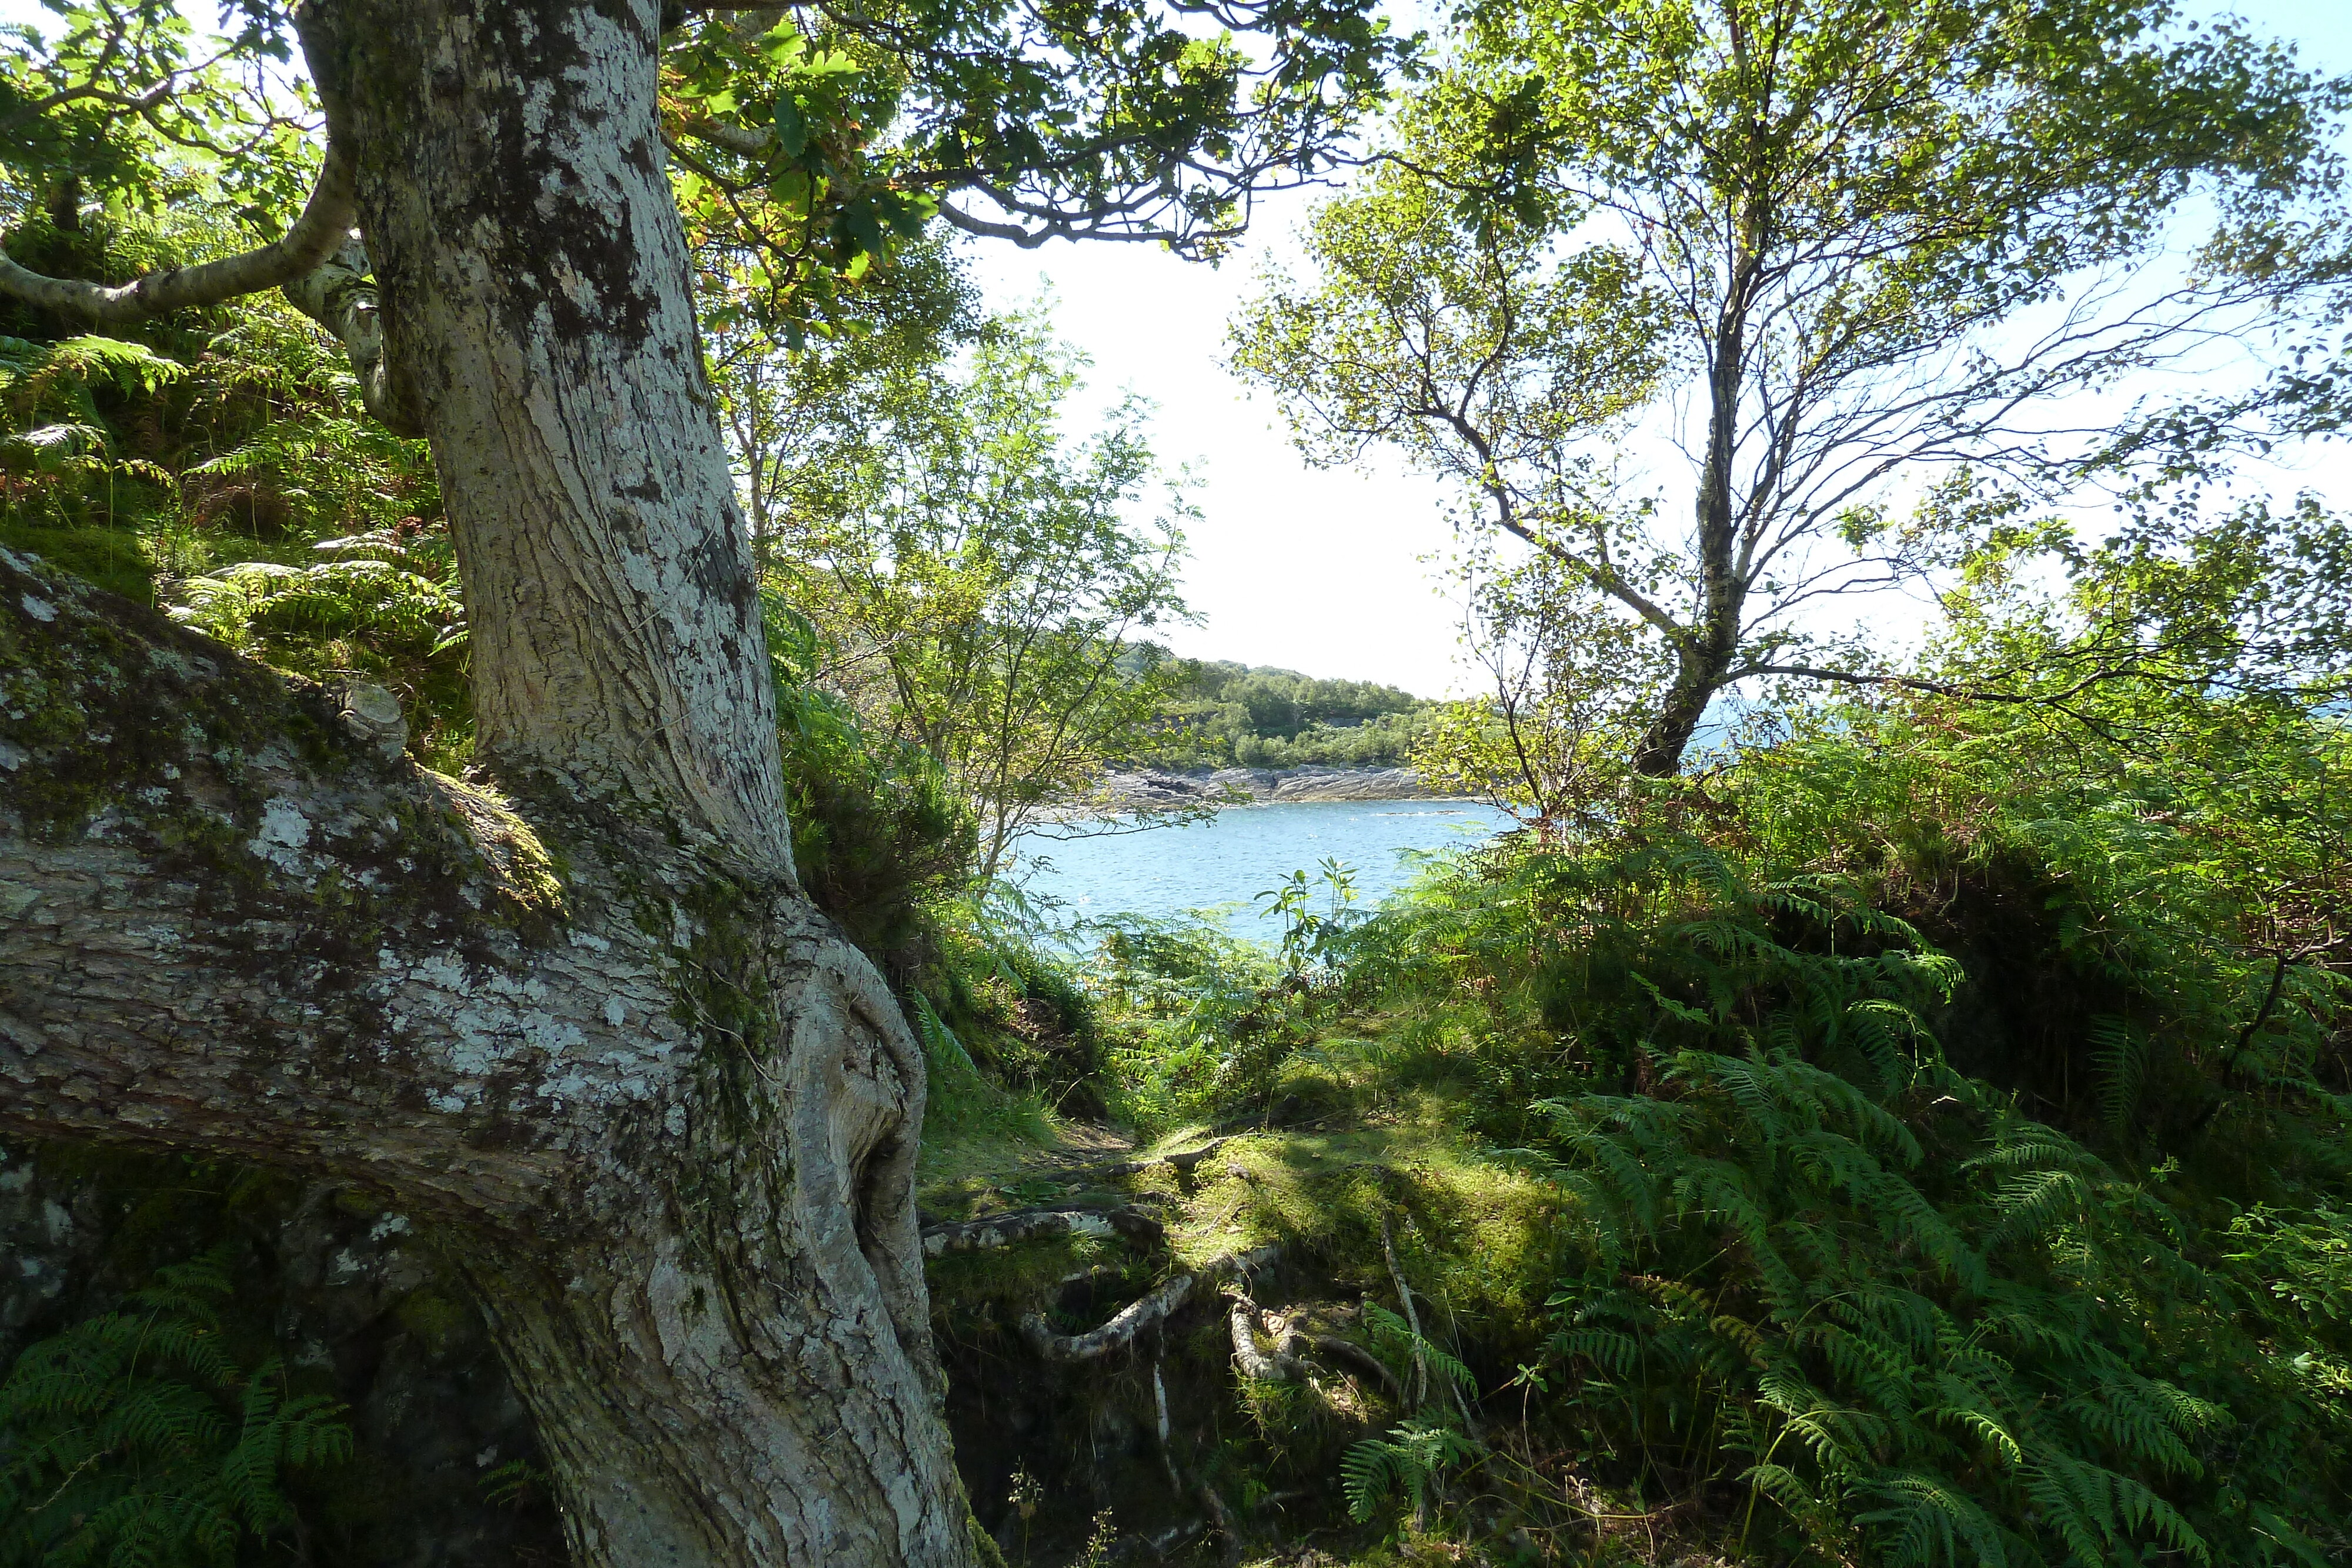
x=1324, y=571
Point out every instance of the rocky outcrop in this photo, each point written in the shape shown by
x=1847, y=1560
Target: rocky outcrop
x=1261, y=786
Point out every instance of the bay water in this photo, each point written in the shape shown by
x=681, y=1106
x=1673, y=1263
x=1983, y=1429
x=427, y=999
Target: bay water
x=1220, y=865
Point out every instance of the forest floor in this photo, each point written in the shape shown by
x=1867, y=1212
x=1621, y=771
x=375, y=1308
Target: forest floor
x=1345, y=1248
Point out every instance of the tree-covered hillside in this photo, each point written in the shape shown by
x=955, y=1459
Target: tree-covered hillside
x=1218, y=713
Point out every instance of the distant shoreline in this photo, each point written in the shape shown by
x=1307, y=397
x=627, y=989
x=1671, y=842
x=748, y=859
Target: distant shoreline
x=1226, y=787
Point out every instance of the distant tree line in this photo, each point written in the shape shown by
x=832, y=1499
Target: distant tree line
x=1220, y=714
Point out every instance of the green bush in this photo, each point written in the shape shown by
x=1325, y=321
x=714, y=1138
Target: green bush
x=878, y=832
x=1949, y=1114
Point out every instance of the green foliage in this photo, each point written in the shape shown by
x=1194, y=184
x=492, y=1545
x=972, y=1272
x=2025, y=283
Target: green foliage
x=1781, y=271
x=1198, y=1013
x=1217, y=714
x=1116, y=120
x=96, y=98
x=380, y=606
x=982, y=577
x=879, y=834
x=1411, y=1459
x=218, y=467
x=1570, y=682
x=1309, y=936
x=1925, y=1362
x=140, y=1439
x=1953, y=1250
x=1414, y=1357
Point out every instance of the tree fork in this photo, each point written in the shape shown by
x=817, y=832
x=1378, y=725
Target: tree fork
x=661, y=1113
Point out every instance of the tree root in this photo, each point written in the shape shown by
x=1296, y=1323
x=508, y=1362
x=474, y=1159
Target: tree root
x=1150, y=1312
x=1229, y=1538
x=1115, y=1334
x=1246, y=1320
x=1036, y=1224
x=1357, y=1357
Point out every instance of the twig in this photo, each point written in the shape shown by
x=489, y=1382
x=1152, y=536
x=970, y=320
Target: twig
x=1412, y=1318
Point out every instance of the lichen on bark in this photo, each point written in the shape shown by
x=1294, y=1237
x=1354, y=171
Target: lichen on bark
x=664, y=1113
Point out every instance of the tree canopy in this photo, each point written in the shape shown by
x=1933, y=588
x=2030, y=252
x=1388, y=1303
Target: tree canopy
x=1839, y=246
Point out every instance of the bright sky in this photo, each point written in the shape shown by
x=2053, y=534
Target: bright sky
x=1312, y=571
x=1324, y=572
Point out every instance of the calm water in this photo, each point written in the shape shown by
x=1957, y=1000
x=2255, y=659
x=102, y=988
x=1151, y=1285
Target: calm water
x=1240, y=853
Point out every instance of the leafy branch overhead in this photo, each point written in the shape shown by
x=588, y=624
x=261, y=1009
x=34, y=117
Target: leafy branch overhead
x=806, y=141
x=810, y=136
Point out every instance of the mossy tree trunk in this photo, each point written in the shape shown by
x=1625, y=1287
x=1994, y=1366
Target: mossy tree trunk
x=580, y=1015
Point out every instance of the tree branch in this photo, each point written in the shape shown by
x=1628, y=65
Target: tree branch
x=325, y=221
x=237, y=929
x=339, y=296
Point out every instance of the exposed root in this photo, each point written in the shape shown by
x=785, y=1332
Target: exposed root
x=1357, y=1357
x=1115, y=1334
x=1228, y=1265
x=1150, y=1312
x=1229, y=1539
x=1036, y=1224
x=1246, y=1321
x=1160, y=1409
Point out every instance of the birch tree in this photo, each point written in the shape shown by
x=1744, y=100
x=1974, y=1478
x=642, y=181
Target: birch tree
x=1819, y=246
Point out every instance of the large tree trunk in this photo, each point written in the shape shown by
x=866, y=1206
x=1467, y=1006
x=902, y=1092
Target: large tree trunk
x=664, y=1116
x=536, y=307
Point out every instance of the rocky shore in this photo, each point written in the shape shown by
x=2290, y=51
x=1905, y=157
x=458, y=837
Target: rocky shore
x=1261, y=786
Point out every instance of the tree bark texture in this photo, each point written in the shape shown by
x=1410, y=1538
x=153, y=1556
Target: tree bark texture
x=324, y=221
x=662, y=1114
x=537, y=315
x=1704, y=657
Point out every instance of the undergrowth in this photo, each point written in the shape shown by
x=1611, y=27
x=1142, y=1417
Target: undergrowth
x=142, y=1436
x=1943, y=1116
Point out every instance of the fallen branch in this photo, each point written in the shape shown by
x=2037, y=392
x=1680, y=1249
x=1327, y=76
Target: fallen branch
x=1037, y=1223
